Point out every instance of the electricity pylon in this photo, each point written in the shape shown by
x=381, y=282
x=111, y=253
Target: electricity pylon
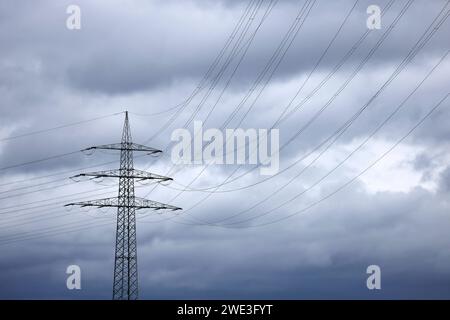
x=125, y=285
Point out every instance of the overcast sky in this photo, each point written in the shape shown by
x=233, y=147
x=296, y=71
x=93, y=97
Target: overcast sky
x=312, y=237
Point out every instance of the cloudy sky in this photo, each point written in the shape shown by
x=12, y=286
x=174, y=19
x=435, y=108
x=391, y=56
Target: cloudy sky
x=364, y=176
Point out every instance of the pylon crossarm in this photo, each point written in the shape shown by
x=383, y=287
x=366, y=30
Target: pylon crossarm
x=132, y=174
x=139, y=203
x=100, y=203
x=125, y=147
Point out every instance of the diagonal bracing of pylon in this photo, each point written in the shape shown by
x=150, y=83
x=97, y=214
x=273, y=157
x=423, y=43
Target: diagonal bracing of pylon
x=125, y=285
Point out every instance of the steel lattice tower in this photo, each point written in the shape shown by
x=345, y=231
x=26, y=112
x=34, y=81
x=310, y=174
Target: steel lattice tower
x=125, y=263
x=125, y=286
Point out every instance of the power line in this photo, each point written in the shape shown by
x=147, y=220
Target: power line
x=419, y=44
x=363, y=171
x=45, y=200
x=312, y=93
x=217, y=60
x=57, y=156
x=359, y=147
x=313, y=204
x=157, y=113
x=211, y=68
x=61, y=173
x=59, y=127
x=67, y=230
x=290, y=35
x=379, y=42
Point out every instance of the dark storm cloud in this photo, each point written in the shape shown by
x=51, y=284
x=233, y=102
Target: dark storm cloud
x=149, y=56
x=177, y=50
x=391, y=230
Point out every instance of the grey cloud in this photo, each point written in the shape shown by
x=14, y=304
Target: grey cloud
x=444, y=185
x=115, y=53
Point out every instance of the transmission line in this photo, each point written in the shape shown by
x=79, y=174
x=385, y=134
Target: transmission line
x=335, y=69
x=410, y=55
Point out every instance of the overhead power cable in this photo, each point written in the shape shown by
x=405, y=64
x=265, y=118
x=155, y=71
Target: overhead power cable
x=287, y=39
x=59, y=127
x=312, y=93
x=419, y=44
